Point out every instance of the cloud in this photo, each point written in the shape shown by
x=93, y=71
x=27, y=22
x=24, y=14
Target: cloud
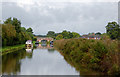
x=58, y=16
x=30, y=1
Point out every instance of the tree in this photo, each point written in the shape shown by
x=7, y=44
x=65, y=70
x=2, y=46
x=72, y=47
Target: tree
x=75, y=35
x=23, y=29
x=65, y=34
x=113, y=30
x=8, y=34
x=98, y=33
x=51, y=34
x=13, y=33
x=15, y=22
x=29, y=30
x=30, y=34
x=59, y=37
x=34, y=39
x=27, y=36
x=8, y=21
x=70, y=34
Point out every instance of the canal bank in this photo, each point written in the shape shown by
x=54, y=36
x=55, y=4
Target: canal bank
x=96, y=55
x=79, y=67
x=9, y=49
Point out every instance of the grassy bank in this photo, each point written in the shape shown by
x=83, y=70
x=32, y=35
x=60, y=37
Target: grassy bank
x=98, y=55
x=9, y=49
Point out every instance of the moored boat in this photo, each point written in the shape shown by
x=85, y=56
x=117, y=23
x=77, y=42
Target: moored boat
x=29, y=44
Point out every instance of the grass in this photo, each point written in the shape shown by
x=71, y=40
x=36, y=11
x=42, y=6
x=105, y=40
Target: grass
x=34, y=42
x=9, y=49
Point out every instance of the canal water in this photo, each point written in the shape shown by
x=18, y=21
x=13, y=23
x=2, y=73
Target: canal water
x=43, y=60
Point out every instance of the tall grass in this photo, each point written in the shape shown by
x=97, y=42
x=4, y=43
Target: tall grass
x=100, y=55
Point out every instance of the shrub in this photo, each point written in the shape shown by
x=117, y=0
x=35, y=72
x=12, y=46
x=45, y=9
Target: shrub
x=102, y=55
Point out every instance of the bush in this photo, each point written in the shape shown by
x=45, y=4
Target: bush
x=99, y=55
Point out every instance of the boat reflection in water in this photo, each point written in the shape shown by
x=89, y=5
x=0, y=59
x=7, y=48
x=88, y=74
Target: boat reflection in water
x=29, y=49
x=29, y=52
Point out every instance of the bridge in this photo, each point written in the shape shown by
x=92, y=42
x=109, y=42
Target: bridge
x=44, y=38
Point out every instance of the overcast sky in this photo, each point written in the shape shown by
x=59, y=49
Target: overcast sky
x=79, y=16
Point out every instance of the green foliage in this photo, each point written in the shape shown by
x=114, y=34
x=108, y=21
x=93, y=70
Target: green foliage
x=9, y=49
x=51, y=34
x=34, y=39
x=23, y=29
x=30, y=34
x=64, y=35
x=100, y=55
x=8, y=21
x=15, y=23
x=104, y=36
x=113, y=30
x=59, y=37
x=13, y=33
x=98, y=33
x=75, y=35
x=8, y=34
x=29, y=30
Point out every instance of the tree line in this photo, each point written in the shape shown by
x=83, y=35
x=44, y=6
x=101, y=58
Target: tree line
x=112, y=31
x=63, y=35
x=14, y=34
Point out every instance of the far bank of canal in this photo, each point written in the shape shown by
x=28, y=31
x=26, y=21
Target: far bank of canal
x=9, y=49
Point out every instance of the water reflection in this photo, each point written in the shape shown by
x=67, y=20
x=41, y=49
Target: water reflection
x=29, y=50
x=51, y=50
x=11, y=62
x=44, y=46
x=36, y=45
x=82, y=70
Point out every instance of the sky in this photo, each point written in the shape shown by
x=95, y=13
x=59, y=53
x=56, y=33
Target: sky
x=81, y=16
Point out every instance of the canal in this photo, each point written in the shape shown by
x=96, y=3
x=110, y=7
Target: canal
x=43, y=60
